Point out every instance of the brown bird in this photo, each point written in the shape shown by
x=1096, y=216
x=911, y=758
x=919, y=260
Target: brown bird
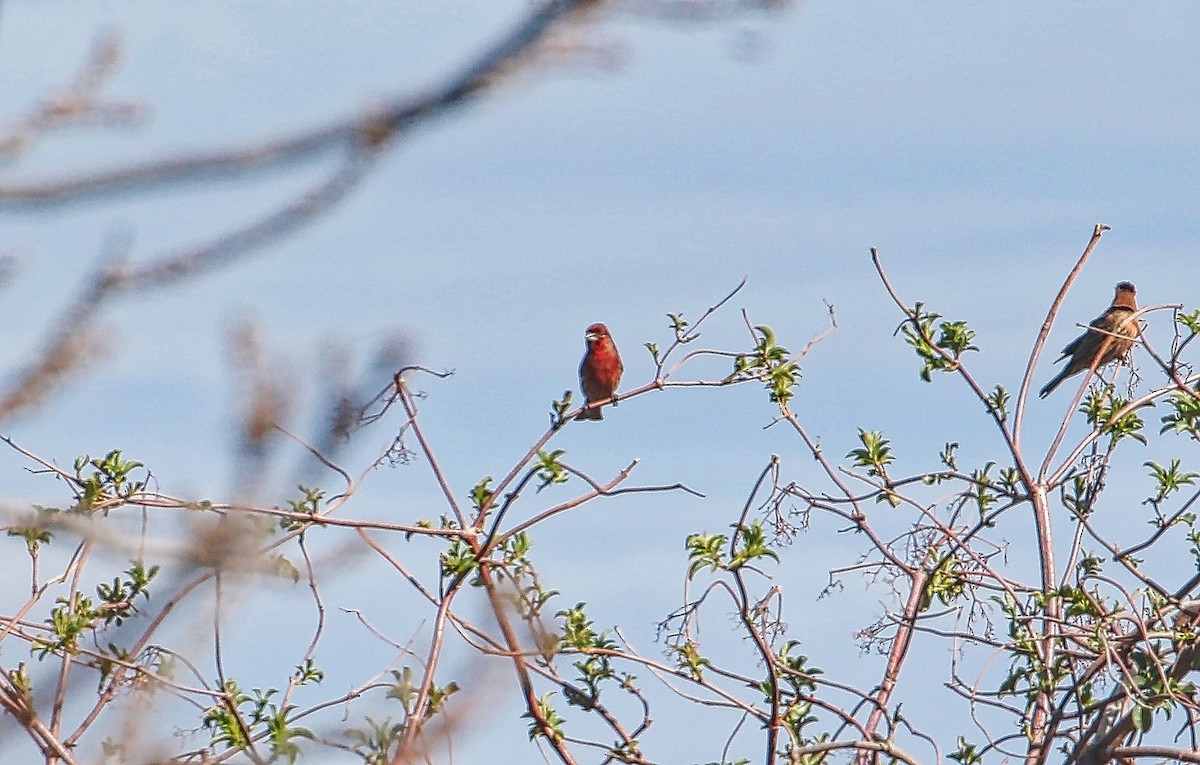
x=600, y=371
x=1084, y=348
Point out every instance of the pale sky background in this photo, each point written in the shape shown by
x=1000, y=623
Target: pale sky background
x=974, y=144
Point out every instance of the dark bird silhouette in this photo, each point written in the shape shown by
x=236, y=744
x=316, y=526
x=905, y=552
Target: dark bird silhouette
x=600, y=371
x=1083, y=349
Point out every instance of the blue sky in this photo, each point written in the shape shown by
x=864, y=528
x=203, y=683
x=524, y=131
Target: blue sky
x=974, y=144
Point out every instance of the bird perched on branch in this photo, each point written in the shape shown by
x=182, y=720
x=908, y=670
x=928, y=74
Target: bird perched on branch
x=600, y=371
x=1097, y=340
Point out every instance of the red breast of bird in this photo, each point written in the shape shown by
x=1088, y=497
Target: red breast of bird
x=601, y=368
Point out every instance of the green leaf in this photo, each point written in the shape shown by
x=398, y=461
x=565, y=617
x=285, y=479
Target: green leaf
x=940, y=353
x=1143, y=718
x=552, y=720
x=705, y=551
x=548, y=469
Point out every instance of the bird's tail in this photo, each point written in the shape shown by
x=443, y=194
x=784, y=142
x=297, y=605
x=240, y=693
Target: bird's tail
x=1050, y=386
x=590, y=414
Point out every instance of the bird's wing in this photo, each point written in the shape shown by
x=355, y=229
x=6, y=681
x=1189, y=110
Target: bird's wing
x=1107, y=320
x=1073, y=346
x=1104, y=322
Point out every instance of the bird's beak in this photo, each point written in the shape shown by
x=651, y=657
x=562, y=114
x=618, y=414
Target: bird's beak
x=592, y=337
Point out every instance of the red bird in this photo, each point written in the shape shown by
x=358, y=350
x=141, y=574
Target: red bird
x=1083, y=349
x=600, y=371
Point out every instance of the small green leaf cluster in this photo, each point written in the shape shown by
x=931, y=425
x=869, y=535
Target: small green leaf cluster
x=531, y=597
x=559, y=409
x=793, y=671
x=243, y=717
x=707, y=550
x=458, y=560
x=280, y=565
x=679, y=326
x=687, y=656
x=1090, y=563
x=1184, y=416
x=34, y=537
x=481, y=494
x=118, y=597
x=875, y=455
x=946, y=582
x=75, y=616
x=967, y=753
x=997, y=403
x=1189, y=321
x=626, y=751
x=655, y=353
x=980, y=491
x=1103, y=410
x=547, y=712
x=578, y=634
x=1158, y=691
x=1027, y=674
x=948, y=456
x=549, y=471
x=795, y=681
x=771, y=363
x=309, y=504
x=104, y=481
x=941, y=353
x=19, y=680
x=404, y=690
x=1078, y=496
x=1079, y=603
x=307, y=672
x=1169, y=480
x=374, y=743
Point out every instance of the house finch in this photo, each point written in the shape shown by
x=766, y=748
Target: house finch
x=600, y=370
x=1084, y=348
